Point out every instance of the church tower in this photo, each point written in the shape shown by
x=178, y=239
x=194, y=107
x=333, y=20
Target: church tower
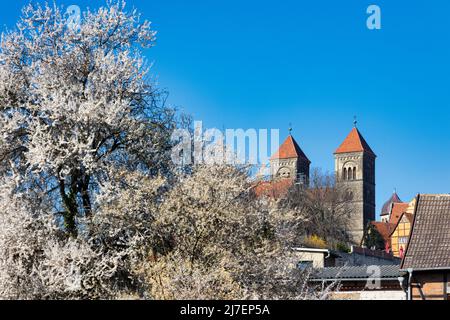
x=290, y=162
x=355, y=173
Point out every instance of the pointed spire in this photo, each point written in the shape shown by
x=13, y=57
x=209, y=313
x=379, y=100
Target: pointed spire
x=290, y=149
x=354, y=143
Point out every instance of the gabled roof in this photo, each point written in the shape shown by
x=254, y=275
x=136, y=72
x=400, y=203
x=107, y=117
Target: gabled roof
x=429, y=243
x=396, y=212
x=354, y=143
x=290, y=149
x=408, y=216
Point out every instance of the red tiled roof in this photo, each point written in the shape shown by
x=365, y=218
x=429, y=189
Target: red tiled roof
x=290, y=149
x=354, y=143
x=397, y=210
x=384, y=229
x=273, y=189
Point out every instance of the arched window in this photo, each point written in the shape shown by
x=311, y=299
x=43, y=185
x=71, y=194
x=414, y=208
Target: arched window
x=350, y=174
x=349, y=195
x=344, y=174
x=354, y=173
x=284, y=173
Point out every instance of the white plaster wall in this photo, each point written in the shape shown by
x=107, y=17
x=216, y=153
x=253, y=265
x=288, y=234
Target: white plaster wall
x=383, y=295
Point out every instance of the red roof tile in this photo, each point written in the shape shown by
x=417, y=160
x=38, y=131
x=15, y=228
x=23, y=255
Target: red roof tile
x=354, y=143
x=273, y=189
x=397, y=210
x=384, y=229
x=290, y=149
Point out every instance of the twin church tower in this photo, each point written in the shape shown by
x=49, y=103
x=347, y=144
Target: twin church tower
x=354, y=169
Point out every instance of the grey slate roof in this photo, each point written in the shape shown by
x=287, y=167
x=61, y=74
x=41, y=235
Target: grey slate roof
x=388, y=204
x=429, y=244
x=362, y=273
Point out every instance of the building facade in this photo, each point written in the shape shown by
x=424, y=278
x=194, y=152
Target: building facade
x=327, y=258
x=355, y=173
x=400, y=235
x=427, y=257
x=290, y=162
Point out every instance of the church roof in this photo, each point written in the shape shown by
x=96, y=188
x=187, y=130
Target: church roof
x=388, y=204
x=290, y=149
x=354, y=143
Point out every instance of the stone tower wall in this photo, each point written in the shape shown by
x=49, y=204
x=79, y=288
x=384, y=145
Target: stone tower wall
x=361, y=184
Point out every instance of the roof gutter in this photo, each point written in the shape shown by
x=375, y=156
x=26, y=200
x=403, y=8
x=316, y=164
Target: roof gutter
x=312, y=250
x=426, y=269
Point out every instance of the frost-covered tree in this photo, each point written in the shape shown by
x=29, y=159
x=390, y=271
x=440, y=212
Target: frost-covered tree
x=76, y=102
x=90, y=207
x=37, y=260
x=84, y=136
x=226, y=244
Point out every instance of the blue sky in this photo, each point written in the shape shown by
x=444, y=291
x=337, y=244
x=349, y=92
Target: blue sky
x=265, y=64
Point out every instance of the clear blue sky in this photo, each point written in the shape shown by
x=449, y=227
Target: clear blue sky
x=264, y=64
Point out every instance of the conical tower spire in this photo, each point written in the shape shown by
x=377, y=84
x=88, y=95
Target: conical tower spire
x=354, y=142
x=290, y=149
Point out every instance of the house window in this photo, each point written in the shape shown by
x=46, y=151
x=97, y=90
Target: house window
x=354, y=173
x=403, y=240
x=350, y=174
x=303, y=265
x=344, y=174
